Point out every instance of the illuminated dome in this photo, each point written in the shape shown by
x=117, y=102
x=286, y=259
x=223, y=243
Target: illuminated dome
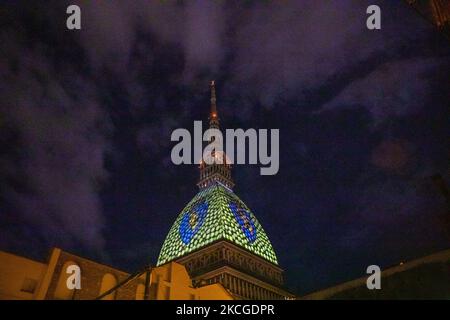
x=215, y=213
x=218, y=239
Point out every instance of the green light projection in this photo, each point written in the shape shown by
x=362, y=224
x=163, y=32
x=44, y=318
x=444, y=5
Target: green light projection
x=218, y=223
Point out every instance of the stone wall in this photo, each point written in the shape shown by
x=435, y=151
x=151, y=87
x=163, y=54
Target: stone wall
x=92, y=274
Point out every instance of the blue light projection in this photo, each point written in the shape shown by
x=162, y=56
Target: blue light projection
x=245, y=221
x=192, y=221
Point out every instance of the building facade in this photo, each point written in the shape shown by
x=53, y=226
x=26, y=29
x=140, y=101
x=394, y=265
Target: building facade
x=25, y=279
x=424, y=278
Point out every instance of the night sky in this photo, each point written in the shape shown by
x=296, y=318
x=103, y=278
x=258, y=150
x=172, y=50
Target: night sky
x=86, y=118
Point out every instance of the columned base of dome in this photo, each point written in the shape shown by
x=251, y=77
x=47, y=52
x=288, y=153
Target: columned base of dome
x=245, y=275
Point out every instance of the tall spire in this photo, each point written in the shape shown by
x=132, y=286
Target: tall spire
x=217, y=171
x=213, y=117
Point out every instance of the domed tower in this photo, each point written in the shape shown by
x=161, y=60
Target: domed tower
x=218, y=238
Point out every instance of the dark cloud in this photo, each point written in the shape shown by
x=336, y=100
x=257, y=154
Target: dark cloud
x=394, y=89
x=60, y=129
x=392, y=155
x=86, y=118
x=195, y=26
x=276, y=51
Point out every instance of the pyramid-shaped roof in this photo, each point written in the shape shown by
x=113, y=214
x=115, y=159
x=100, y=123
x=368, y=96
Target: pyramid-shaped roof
x=215, y=213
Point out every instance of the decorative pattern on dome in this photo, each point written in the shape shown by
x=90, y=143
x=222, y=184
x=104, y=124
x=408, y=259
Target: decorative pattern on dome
x=192, y=221
x=245, y=221
x=215, y=213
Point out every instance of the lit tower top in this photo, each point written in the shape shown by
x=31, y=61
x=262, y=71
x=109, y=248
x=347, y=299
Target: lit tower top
x=213, y=117
x=215, y=213
x=219, y=168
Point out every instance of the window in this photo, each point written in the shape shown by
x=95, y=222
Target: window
x=108, y=282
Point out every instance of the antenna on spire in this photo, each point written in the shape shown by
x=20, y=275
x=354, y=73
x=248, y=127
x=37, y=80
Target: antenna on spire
x=213, y=117
x=217, y=171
